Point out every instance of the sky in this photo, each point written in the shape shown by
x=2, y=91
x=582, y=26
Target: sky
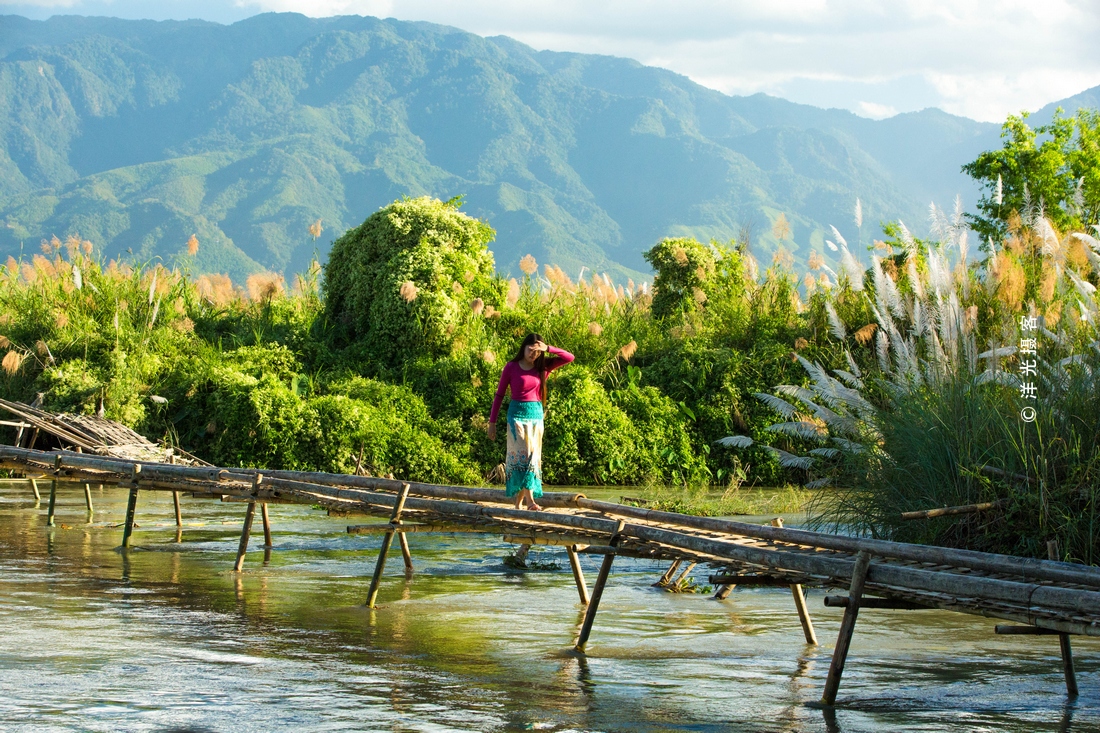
x=982, y=60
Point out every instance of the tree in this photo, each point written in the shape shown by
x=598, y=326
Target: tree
x=1053, y=170
x=398, y=283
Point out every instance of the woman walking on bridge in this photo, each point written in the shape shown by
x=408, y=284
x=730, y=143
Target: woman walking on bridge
x=525, y=375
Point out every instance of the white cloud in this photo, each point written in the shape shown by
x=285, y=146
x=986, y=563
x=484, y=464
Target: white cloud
x=979, y=59
x=875, y=110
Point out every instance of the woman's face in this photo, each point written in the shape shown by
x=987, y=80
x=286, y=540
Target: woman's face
x=531, y=352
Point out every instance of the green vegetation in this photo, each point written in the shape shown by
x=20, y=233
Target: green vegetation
x=391, y=366
x=1052, y=171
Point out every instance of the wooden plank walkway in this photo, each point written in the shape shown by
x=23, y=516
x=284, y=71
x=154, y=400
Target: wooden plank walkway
x=1037, y=596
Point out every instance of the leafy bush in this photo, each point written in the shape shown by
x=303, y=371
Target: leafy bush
x=399, y=282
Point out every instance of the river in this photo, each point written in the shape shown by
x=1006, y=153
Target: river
x=166, y=637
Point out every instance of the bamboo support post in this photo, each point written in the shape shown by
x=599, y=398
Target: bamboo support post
x=88, y=496
x=383, y=551
x=578, y=573
x=682, y=575
x=131, y=503
x=847, y=627
x=800, y=602
x=597, y=592
x=34, y=488
x=267, y=524
x=724, y=592
x=1063, y=638
x=246, y=529
x=668, y=574
x=53, y=503
x=176, y=506
x=53, y=492
x=406, y=556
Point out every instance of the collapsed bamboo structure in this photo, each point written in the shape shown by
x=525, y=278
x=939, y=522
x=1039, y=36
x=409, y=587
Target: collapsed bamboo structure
x=1041, y=596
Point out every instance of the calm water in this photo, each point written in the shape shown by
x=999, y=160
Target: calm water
x=165, y=636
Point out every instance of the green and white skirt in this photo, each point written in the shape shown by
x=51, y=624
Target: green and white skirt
x=523, y=467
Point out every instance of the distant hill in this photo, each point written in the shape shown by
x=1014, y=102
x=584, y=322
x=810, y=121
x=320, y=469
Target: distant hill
x=136, y=134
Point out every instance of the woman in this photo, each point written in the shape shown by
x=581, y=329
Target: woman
x=525, y=375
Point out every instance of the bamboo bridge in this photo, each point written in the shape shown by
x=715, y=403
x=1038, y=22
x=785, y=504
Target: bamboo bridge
x=1042, y=597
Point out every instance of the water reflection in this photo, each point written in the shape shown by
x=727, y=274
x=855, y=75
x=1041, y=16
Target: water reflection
x=166, y=634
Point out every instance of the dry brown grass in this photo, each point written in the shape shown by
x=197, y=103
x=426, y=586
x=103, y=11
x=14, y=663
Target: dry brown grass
x=265, y=286
x=217, y=290
x=528, y=265
x=13, y=360
x=193, y=245
x=409, y=291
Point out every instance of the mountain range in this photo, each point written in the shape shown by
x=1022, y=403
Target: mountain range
x=138, y=134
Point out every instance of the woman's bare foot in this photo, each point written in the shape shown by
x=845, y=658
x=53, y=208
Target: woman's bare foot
x=534, y=507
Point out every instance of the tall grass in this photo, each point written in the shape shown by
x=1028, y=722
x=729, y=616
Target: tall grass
x=941, y=421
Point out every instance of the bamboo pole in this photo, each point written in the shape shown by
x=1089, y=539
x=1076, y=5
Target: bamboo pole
x=668, y=574
x=246, y=529
x=1064, y=644
x=884, y=603
x=578, y=573
x=267, y=524
x=34, y=488
x=53, y=503
x=597, y=592
x=724, y=592
x=800, y=602
x=1023, y=631
x=380, y=566
x=847, y=628
x=406, y=556
x=751, y=580
x=88, y=496
x=176, y=506
x=131, y=503
x=950, y=511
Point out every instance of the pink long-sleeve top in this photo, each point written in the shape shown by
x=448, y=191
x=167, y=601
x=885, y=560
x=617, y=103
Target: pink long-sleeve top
x=526, y=383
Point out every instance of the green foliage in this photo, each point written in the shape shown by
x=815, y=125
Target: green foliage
x=1052, y=170
x=683, y=266
x=399, y=283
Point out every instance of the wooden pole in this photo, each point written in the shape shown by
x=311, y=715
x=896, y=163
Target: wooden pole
x=131, y=504
x=176, y=506
x=246, y=529
x=267, y=524
x=800, y=603
x=597, y=592
x=724, y=592
x=383, y=551
x=1063, y=639
x=578, y=573
x=34, y=488
x=668, y=574
x=88, y=496
x=403, y=541
x=847, y=628
x=53, y=503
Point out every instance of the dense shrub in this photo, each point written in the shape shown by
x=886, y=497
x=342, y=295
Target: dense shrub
x=399, y=282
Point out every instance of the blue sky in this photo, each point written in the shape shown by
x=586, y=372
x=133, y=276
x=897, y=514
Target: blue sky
x=874, y=57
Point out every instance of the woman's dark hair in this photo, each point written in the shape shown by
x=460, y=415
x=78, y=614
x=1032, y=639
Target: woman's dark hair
x=540, y=362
